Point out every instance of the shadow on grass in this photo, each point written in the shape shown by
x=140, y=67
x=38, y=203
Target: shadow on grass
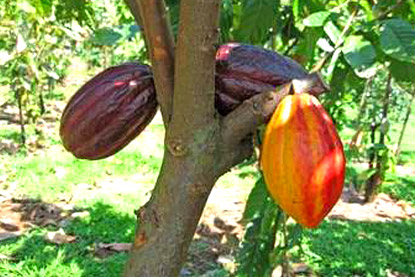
x=31, y=255
x=336, y=248
x=210, y=244
x=348, y=248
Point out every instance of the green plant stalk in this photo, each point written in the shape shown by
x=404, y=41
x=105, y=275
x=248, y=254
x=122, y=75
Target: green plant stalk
x=405, y=122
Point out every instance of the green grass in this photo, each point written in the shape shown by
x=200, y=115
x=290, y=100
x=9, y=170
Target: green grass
x=347, y=248
x=119, y=185
x=400, y=187
x=33, y=256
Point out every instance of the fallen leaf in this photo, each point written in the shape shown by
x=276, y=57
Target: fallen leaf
x=8, y=225
x=9, y=235
x=117, y=247
x=107, y=249
x=300, y=268
x=59, y=237
x=48, y=221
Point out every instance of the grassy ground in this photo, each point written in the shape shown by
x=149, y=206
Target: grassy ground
x=111, y=189
x=347, y=248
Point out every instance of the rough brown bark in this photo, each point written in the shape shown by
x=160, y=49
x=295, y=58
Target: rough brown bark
x=167, y=222
x=160, y=42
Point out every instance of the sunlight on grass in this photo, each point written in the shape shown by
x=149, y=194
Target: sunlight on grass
x=347, y=248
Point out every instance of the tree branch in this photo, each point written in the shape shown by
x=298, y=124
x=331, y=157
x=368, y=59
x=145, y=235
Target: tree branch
x=256, y=111
x=390, y=9
x=193, y=102
x=133, y=6
x=320, y=64
x=160, y=42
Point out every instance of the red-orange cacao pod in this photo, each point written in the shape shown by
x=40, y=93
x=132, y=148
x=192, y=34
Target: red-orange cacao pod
x=108, y=111
x=302, y=159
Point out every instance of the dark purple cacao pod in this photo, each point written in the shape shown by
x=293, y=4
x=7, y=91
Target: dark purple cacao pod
x=243, y=71
x=109, y=111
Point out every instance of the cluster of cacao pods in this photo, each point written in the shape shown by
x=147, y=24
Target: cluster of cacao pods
x=302, y=156
x=113, y=107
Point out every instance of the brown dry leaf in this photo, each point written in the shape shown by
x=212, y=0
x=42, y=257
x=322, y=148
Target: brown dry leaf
x=9, y=235
x=48, y=221
x=59, y=237
x=107, y=249
x=300, y=268
x=408, y=209
x=8, y=225
x=117, y=247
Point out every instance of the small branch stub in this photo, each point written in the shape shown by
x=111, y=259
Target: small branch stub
x=176, y=147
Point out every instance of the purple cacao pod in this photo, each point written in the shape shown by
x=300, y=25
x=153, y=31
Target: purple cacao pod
x=109, y=111
x=243, y=71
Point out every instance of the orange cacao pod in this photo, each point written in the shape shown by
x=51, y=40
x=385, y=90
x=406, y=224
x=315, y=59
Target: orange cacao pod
x=108, y=111
x=302, y=159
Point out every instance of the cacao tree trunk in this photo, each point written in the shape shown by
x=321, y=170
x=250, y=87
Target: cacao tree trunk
x=166, y=224
x=405, y=122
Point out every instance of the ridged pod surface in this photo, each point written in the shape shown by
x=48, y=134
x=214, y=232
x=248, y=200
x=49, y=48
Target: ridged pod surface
x=243, y=71
x=108, y=111
x=302, y=159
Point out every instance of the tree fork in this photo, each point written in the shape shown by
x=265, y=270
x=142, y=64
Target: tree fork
x=166, y=224
x=199, y=145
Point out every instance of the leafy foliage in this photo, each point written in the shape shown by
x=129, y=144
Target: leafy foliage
x=264, y=218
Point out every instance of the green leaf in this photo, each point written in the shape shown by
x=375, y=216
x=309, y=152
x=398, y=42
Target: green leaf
x=297, y=7
x=26, y=7
x=256, y=200
x=43, y=7
x=360, y=55
x=397, y=39
x=402, y=72
x=105, y=37
x=317, y=19
x=258, y=17
x=226, y=20
x=259, y=239
x=332, y=31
